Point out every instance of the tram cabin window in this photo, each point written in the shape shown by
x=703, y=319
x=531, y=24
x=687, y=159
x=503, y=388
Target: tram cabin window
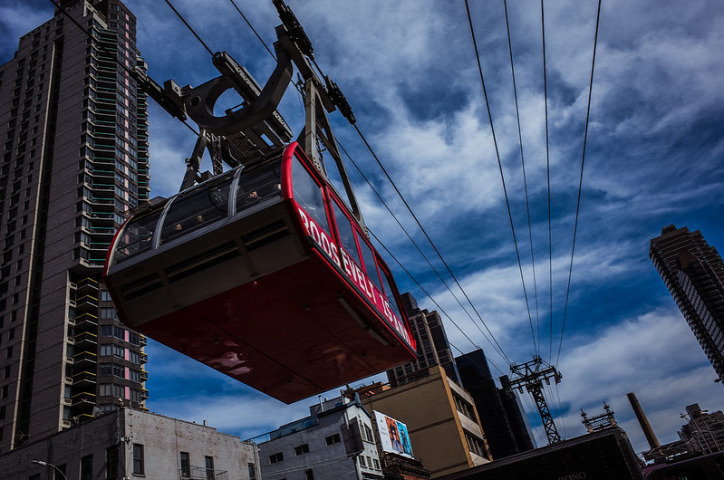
x=308, y=194
x=258, y=185
x=388, y=293
x=369, y=261
x=137, y=237
x=196, y=208
x=346, y=233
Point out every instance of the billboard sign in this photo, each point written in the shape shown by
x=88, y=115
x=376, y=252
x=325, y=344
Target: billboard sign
x=393, y=435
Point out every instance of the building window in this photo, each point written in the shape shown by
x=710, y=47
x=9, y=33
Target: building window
x=475, y=445
x=86, y=468
x=367, y=433
x=302, y=449
x=138, y=463
x=308, y=474
x=276, y=457
x=185, y=465
x=252, y=471
x=112, y=462
x=114, y=350
x=210, y=468
x=57, y=473
x=362, y=461
x=332, y=439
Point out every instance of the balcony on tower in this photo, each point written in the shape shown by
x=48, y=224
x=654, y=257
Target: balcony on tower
x=84, y=378
x=86, y=321
x=86, y=340
x=85, y=358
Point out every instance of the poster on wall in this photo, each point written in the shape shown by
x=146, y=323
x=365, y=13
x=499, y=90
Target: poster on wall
x=393, y=435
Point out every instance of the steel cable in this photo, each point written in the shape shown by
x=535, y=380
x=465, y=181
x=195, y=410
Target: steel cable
x=502, y=176
x=580, y=181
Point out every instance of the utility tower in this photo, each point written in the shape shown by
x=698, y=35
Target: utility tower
x=531, y=375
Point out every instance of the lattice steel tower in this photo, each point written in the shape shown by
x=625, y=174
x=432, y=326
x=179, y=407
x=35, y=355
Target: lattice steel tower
x=531, y=375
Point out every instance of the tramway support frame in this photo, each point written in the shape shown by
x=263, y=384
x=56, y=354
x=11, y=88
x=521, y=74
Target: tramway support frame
x=250, y=134
x=531, y=375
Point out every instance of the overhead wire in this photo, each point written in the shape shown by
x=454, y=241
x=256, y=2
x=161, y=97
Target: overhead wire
x=300, y=94
x=419, y=285
x=502, y=176
x=417, y=221
x=494, y=343
x=548, y=187
x=253, y=29
x=580, y=181
x=525, y=179
x=376, y=158
x=369, y=147
x=537, y=427
x=101, y=47
x=561, y=418
x=359, y=132
x=168, y=2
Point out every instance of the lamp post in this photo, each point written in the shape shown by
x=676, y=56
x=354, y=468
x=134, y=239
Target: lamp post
x=40, y=462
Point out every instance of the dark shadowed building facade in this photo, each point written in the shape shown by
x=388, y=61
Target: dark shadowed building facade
x=74, y=147
x=501, y=417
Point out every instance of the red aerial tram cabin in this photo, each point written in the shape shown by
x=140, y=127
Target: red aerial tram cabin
x=263, y=274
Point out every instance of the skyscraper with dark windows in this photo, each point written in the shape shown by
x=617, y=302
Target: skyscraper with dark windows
x=433, y=347
x=693, y=272
x=501, y=414
x=74, y=142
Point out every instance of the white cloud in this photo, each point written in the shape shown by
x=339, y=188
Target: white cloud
x=653, y=158
x=653, y=355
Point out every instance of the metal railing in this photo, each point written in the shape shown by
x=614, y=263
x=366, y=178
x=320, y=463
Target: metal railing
x=195, y=472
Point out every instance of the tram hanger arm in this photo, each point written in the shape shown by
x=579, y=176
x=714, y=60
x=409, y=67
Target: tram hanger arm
x=159, y=94
x=199, y=101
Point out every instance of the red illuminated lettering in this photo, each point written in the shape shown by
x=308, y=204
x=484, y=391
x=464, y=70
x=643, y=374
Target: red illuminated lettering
x=372, y=291
x=305, y=220
x=347, y=262
x=319, y=236
x=388, y=313
x=353, y=272
x=335, y=254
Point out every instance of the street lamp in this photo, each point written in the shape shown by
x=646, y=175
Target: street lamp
x=40, y=462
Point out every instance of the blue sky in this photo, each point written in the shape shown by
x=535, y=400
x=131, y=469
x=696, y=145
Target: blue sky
x=654, y=157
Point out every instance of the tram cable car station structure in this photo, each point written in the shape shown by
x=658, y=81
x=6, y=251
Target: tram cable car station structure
x=262, y=272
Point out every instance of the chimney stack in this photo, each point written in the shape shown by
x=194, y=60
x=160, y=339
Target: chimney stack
x=643, y=421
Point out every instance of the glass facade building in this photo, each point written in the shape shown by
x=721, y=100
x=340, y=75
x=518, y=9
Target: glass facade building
x=74, y=140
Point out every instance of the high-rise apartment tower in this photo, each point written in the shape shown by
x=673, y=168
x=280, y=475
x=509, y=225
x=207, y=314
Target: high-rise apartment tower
x=433, y=347
x=74, y=142
x=693, y=272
